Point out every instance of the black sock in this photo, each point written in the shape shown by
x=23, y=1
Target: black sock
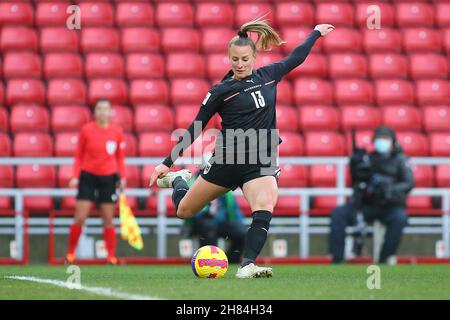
x=180, y=188
x=256, y=236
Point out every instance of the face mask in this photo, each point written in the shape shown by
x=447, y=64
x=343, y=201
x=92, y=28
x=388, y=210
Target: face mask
x=382, y=145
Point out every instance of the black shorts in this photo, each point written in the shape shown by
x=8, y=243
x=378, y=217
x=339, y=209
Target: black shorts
x=97, y=188
x=232, y=176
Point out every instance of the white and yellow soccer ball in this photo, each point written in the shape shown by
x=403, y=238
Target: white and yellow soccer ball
x=209, y=262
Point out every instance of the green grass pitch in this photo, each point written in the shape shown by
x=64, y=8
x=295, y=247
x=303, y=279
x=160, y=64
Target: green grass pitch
x=178, y=282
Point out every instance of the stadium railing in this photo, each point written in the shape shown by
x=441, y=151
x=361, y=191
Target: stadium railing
x=304, y=225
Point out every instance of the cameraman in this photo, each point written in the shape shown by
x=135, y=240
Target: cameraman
x=381, y=182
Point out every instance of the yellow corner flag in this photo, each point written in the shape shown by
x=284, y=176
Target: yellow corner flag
x=129, y=229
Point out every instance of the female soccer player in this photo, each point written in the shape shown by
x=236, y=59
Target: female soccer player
x=245, y=100
x=99, y=161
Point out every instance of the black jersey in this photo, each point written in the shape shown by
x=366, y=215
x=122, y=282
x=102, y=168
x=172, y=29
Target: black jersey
x=246, y=106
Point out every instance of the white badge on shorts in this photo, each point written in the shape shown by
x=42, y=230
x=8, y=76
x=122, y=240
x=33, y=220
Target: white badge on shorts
x=111, y=147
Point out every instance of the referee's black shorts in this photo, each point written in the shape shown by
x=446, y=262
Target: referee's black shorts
x=232, y=176
x=101, y=189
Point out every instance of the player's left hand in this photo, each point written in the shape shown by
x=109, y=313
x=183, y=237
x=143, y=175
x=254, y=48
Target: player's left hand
x=324, y=29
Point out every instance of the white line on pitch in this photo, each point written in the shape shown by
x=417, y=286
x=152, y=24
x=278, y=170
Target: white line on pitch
x=94, y=290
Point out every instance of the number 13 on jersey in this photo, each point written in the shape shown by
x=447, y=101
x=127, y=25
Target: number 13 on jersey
x=259, y=99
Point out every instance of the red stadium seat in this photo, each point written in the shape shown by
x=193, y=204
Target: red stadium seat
x=133, y=176
x=214, y=15
x=294, y=13
x=363, y=139
x=350, y=65
x=185, y=114
x=65, y=173
x=419, y=204
x=151, y=204
x=388, y=65
x=313, y=91
x=51, y=14
x=4, y=120
x=428, y=66
x=443, y=176
x=153, y=118
x=360, y=117
x=180, y=39
x=294, y=36
x=315, y=65
x=21, y=65
x=266, y=58
x=353, y=91
x=382, y=40
x=432, y=91
x=402, y=117
x=423, y=176
x=2, y=94
x=99, y=39
x=25, y=90
x=324, y=143
x=32, y=145
x=16, y=13
x=18, y=38
x=63, y=65
x=66, y=144
x=287, y=118
x=6, y=176
x=5, y=145
x=436, y=118
x=218, y=65
x=114, y=90
x=421, y=40
x=323, y=205
x=292, y=176
x=130, y=145
x=325, y=176
x=287, y=206
x=292, y=145
x=25, y=117
x=180, y=65
x=149, y=91
x=96, y=14
x=335, y=13
x=215, y=40
x=415, y=14
x=140, y=40
x=413, y=143
x=394, y=92
x=244, y=12
x=66, y=91
x=284, y=92
x=123, y=117
x=188, y=91
x=104, y=65
x=343, y=40
x=365, y=11
x=155, y=144
x=174, y=14
x=442, y=17
x=35, y=176
x=59, y=39
x=439, y=144
x=446, y=40
x=318, y=117
x=144, y=65
x=135, y=14
x=69, y=117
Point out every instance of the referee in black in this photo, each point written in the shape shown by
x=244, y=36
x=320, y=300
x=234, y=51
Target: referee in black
x=246, y=149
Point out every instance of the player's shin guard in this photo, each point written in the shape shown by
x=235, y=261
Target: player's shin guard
x=256, y=235
x=74, y=236
x=109, y=235
x=180, y=188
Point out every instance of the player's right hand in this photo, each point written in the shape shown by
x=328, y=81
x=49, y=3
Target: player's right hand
x=159, y=172
x=73, y=183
